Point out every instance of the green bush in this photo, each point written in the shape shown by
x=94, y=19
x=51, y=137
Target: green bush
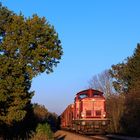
x=43, y=132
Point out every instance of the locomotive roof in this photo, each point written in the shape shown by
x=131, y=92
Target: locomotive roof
x=89, y=90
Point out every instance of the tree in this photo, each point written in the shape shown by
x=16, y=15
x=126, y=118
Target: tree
x=28, y=47
x=133, y=67
x=114, y=101
x=41, y=113
x=119, y=74
x=127, y=74
x=127, y=80
x=43, y=132
x=130, y=121
x=102, y=82
x=115, y=108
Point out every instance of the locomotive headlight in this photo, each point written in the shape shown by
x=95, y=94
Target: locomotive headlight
x=103, y=123
x=104, y=115
x=83, y=122
x=82, y=115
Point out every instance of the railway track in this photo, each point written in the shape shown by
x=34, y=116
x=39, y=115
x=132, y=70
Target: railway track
x=113, y=137
x=66, y=135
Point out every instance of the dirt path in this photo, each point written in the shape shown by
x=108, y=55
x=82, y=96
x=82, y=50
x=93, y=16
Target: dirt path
x=64, y=135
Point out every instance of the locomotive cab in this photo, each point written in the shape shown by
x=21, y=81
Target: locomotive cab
x=90, y=104
x=89, y=111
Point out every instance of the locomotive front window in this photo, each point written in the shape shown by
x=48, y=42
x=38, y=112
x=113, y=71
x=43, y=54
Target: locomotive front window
x=81, y=96
x=88, y=112
x=98, y=112
x=96, y=94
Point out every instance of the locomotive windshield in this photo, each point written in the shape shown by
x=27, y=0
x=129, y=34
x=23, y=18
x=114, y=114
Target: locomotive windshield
x=96, y=94
x=84, y=95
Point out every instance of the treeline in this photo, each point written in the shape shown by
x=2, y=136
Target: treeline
x=28, y=47
x=38, y=124
x=121, y=85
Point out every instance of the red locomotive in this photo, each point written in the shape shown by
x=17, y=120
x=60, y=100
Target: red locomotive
x=87, y=114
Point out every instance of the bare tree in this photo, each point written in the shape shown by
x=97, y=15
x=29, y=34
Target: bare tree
x=102, y=82
x=115, y=109
x=114, y=101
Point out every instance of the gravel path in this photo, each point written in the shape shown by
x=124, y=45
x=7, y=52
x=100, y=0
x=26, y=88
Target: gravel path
x=64, y=135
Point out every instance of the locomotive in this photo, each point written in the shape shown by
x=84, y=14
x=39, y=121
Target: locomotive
x=87, y=115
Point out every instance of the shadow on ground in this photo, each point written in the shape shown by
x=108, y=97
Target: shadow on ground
x=60, y=137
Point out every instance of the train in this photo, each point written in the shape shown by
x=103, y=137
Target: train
x=87, y=115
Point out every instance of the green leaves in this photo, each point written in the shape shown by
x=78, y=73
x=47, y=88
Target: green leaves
x=127, y=74
x=127, y=80
x=28, y=47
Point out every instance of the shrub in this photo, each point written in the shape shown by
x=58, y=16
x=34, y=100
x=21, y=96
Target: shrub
x=43, y=132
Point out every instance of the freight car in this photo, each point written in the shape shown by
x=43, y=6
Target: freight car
x=87, y=114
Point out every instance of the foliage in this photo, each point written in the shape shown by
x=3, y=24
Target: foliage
x=119, y=74
x=40, y=112
x=134, y=70
x=43, y=132
x=130, y=120
x=115, y=108
x=127, y=74
x=42, y=115
x=46, y=123
x=123, y=108
x=127, y=80
x=53, y=121
x=28, y=47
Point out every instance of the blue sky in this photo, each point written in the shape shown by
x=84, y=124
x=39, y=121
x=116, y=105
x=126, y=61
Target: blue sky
x=95, y=34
